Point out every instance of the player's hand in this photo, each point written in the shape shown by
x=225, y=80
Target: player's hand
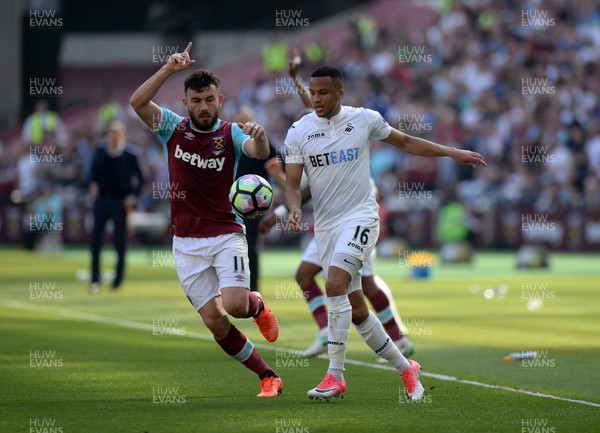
x=253, y=129
x=274, y=166
x=180, y=61
x=294, y=219
x=294, y=63
x=468, y=158
x=265, y=224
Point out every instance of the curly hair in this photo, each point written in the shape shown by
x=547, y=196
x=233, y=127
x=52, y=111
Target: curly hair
x=199, y=79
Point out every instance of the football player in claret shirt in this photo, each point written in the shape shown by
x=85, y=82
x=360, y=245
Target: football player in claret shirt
x=209, y=246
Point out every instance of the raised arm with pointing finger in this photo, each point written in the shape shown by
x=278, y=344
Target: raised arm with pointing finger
x=141, y=100
x=199, y=109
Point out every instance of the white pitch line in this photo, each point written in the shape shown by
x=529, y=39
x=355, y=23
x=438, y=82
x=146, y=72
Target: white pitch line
x=72, y=314
x=481, y=384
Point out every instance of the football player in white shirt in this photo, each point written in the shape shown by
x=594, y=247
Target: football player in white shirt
x=374, y=288
x=331, y=145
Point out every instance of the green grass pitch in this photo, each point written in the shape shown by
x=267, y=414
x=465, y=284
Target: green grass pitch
x=140, y=360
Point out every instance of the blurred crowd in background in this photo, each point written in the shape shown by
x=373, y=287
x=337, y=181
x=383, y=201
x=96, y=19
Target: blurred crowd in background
x=521, y=89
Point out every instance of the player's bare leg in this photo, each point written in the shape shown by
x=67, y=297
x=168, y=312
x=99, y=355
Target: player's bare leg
x=235, y=343
x=383, y=303
x=338, y=329
x=371, y=330
x=305, y=277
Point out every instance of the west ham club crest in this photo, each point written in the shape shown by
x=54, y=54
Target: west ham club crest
x=218, y=144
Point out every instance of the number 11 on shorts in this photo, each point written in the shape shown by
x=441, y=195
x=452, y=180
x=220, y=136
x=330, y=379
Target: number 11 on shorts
x=238, y=264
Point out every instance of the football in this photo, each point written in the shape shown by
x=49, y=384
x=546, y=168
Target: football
x=251, y=196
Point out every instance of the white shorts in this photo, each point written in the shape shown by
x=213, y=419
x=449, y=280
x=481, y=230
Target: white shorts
x=206, y=265
x=354, y=239
x=311, y=255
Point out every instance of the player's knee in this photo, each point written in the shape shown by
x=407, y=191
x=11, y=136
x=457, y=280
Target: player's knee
x=335, y=287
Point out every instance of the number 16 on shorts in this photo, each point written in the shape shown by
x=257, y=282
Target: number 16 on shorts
x=364, y=238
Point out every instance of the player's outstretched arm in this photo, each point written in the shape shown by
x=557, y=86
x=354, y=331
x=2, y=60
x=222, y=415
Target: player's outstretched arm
x=419, y=146
x=141, y=100
x=293, y=197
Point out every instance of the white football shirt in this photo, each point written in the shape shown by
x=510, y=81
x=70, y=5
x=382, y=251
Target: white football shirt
x=335, y=155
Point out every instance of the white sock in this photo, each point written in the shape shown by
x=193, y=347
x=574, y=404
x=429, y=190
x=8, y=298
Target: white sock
x=371, y=330
x=338, y=329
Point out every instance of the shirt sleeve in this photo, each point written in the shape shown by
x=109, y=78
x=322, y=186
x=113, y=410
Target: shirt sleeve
x=379, y=129
x=168, y=123
x=293, y=154
x=239, y=138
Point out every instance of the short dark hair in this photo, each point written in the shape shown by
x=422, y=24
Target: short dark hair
x=329, y=71
x=199, y=79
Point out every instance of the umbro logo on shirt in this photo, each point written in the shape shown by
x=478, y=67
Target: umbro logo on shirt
x=189, y=135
